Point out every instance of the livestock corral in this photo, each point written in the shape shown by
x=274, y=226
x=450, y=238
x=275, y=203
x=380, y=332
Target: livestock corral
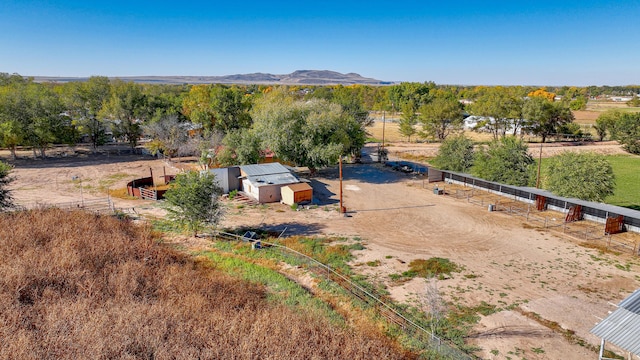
x=533, y=275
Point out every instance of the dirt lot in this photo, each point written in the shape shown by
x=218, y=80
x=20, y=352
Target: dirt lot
x=507, y=261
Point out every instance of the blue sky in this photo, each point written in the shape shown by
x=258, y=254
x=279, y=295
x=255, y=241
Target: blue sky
x=449, y=42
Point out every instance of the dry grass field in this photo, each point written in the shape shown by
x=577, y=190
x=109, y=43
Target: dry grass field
x=78, y=286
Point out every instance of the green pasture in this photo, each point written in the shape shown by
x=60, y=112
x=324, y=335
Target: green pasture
x=627, y=171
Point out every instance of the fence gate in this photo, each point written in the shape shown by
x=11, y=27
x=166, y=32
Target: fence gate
x=614, y=225
x=541, y=202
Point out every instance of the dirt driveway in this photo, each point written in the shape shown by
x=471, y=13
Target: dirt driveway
x=524, y=271
x=534, y=277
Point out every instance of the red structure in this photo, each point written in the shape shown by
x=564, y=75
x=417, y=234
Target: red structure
x=147, y=188
x=614, y=225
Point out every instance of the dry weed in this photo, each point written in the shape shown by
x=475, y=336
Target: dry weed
x=75, y=286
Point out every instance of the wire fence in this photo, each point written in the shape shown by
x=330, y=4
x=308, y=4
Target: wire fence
x=547, y=219
x=99, y=206
x=385, y=309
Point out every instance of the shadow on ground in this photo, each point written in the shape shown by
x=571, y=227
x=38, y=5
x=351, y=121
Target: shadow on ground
x=321, y=193
x=290, y=229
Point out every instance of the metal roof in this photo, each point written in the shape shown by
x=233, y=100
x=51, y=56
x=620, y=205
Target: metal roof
x=300, y=186
x=273, y=179
x=622, y=327
x=263, y=169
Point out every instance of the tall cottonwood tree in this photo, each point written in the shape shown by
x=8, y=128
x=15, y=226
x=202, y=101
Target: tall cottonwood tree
x=506, y=161
x=408, y=120
x=503, y=107
x=217, y=107
x=586, y=176
x=126, y=108
x=605, y=123
x=626, y=131
x=84, y=101
x=310, y=133
x=440, y=117
x=545, y=117
x=455, y=154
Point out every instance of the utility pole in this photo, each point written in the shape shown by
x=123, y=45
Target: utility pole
x=539, y=165
x=340, y=166
x=384, y=121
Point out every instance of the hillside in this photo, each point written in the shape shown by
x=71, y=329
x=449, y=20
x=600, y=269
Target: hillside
x=299, y=77
x=76, y=286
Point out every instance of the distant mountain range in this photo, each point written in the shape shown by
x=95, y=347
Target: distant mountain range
x=299, y=77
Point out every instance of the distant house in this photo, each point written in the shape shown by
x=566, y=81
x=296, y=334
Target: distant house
x=264, y=181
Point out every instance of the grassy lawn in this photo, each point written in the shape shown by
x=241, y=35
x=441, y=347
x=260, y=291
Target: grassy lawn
x=627, y=171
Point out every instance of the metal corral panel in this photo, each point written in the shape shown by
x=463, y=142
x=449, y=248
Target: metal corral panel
x=622, y=327
x=263, y=169
x=435, y=175
x=593, y=211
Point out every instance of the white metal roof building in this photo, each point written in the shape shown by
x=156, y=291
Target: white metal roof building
x=622, y=327
x=263, y=181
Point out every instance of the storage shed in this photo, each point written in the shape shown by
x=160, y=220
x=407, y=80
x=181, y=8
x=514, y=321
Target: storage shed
x=263, y=181
x=227, y=178
x=296, y=193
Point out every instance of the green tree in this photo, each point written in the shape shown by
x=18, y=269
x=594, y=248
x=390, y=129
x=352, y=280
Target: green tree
x=47, y=124
x=606, y=122
x=307, y=133
x=15, y=115
x=408, y=120
x=455, y=154
x=627, y=132
x=6, y=201
x=586, y=176
x=83, y=102
x=442, y=116
x=127, y=109
x=218, y=107
x=634, y=102
x=230, y=108
x=545, y=117
x=579, y=103
x=410, y=92
x=11, y=135
x=193, y=200
x=241, y=147
x=505, y=161
x=164, y=100
x=501, y=106
x=196, y=106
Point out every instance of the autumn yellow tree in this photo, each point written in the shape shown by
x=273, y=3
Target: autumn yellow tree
x=543, y=93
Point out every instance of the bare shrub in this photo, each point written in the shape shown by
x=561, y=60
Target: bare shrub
x=74, y=286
